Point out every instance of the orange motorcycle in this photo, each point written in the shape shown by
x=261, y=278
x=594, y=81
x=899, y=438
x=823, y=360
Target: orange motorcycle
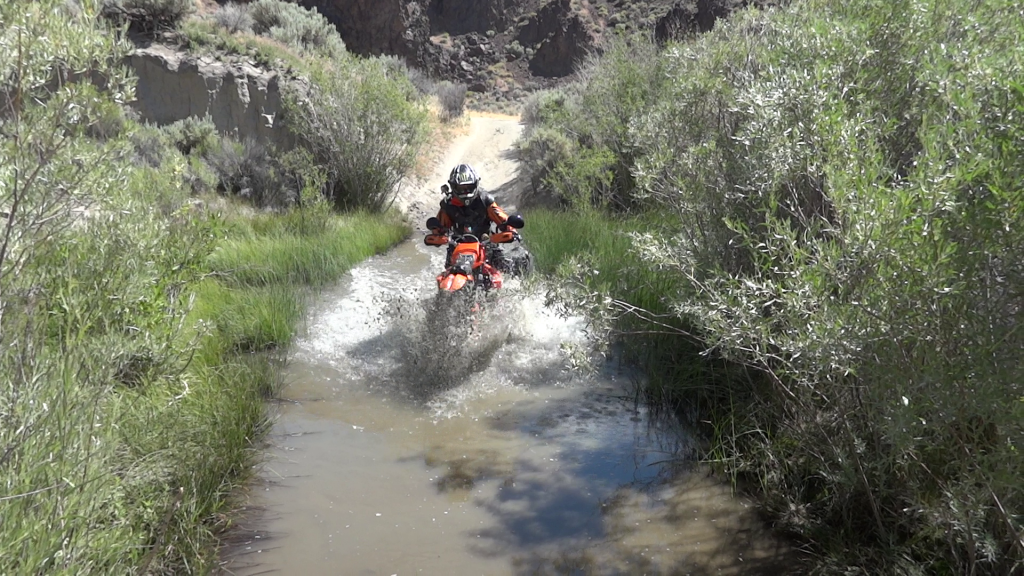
x=477, y=263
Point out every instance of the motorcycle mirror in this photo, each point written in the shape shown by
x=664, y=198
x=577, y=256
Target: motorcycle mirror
x=515, y=221
x=433, y=223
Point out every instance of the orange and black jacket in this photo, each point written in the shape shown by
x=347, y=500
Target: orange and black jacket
x=474, y=218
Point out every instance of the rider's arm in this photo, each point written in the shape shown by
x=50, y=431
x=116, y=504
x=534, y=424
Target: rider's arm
x=497, y=215
x=446, y=223
x=439, y=235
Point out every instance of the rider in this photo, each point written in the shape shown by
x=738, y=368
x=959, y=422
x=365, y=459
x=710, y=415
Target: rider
x=466, y=208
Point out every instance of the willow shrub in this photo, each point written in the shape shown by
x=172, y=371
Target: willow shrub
x=865, y=231
x=363, y=124
x=847, y=192
x=131, y=403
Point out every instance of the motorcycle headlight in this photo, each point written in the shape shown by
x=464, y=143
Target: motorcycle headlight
x=464, y=264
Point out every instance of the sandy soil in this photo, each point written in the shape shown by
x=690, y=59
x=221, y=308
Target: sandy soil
x=486, y=145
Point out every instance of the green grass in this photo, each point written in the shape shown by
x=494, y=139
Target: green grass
x=125, y=447
x=277, y=255
x=598, y=255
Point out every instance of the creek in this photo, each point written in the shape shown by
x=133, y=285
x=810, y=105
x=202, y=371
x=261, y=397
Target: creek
x=411, y=442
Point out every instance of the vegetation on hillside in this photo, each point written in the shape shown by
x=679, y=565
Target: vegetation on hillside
x=365, y=134
x=140, y=311
x=828, y=206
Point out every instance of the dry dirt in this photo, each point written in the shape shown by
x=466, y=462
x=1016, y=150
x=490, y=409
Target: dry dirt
x=486, y=144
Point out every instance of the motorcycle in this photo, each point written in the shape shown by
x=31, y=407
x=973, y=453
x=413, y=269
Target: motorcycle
x=476, y=263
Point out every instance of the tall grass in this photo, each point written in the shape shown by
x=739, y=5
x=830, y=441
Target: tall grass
x=601, y=271
x=275, y=254
x=136, y=424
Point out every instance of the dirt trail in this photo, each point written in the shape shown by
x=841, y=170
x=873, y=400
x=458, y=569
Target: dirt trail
x=487, y=146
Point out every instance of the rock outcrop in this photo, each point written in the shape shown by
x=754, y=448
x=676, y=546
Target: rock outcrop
x=560, y=37
x=240, y=98
x=375, y=27
x=497, y=45
x=458, y=17
x=461, y=39
x=689, y=17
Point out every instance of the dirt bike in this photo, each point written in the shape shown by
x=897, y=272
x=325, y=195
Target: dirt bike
x=478, y=263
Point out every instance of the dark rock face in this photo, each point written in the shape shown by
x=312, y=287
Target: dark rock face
x=530, y=42
x=458, y=17
x=688, y=17
x=466, y=60
x=375, y=27
x=560, y=38
x=693, y=16
x=557, y=35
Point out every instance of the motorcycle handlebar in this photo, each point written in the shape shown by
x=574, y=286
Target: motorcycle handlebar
x=496, y=238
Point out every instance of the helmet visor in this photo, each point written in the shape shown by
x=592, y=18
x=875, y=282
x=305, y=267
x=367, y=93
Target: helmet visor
x=465, y=191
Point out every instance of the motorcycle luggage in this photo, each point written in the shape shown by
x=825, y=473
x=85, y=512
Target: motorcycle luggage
x=512, y=258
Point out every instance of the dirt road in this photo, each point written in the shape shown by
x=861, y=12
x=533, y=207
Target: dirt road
x=486, y=145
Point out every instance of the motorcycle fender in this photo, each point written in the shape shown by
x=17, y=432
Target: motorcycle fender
x=492, y=273
x=451, y=282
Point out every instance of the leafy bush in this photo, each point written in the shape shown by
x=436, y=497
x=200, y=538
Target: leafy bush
x=610, y=91
x=251, y=171
x=150, y=146
x=192, y=134
x=364, y=134
x=106, y=122
x=234, y=17
x=515, y=49
x=148, y=15
x=296, y=26
x=420, y=79
x=452, y=98
x=198, y=177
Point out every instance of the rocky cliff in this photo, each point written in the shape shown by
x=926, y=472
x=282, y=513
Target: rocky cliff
x=240, y=98
x=497, y=46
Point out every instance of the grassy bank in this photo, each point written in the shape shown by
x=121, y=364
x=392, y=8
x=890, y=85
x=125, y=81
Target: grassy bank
x=829, y=196
x=131, y=428
x=597, y=258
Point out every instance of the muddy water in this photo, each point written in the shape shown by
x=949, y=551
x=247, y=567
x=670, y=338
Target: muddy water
x=406, y=444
